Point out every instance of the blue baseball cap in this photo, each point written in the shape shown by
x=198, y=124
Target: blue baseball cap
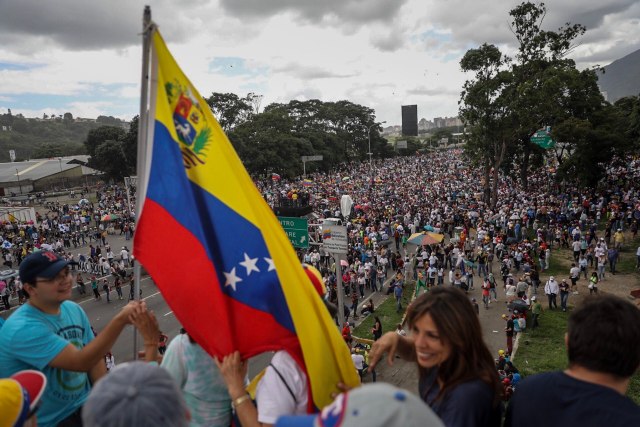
x=44, y=264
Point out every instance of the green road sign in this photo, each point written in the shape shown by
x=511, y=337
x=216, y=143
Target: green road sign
x=542, y=138
x=297, y=230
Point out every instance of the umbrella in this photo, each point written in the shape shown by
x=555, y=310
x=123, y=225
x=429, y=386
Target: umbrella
x=83, y=202
x=346, y=178
x=6, y=244
x=109, y=217
x=423, y=239
x=428, y=228
x=344, y=263
x=519, y=305
x=8, y=274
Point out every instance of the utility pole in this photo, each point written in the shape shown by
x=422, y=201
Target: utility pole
x=370, y=153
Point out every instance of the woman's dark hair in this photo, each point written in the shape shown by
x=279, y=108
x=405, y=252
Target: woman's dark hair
x=459, y=328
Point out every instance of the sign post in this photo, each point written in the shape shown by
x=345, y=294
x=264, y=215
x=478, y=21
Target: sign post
x=334, y=239
x=297, y=230
x=542, y=138
x=306, y=159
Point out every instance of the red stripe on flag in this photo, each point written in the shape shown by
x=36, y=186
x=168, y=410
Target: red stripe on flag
x=187, y=279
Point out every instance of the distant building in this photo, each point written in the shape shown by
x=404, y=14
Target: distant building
x=46, y=174
x=410, y=120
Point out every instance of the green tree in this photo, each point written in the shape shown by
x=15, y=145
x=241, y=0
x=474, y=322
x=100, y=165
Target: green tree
x=130, y=146
x=508, y=100
x=276, y=138
x=230, y=109
x=48, y=150
x=97, y=136
x=110, y=159
x=484, y=107
x=109, y=121
x=629, y=107
x=543, y=79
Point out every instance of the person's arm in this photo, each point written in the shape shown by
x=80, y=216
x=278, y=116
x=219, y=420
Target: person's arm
x=98, y=371
x=84, y=360
x=391, y=343
x=147, y=324
x=234, y=370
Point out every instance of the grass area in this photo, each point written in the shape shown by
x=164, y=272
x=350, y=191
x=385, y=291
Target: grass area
x=627, y=260
x=386, y=312
x=560, y=263
x=542, y=349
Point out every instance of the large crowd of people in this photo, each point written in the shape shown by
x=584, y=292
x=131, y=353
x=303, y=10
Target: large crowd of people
x=507, y=245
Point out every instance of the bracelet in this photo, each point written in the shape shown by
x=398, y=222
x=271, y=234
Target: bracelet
x=240, y=400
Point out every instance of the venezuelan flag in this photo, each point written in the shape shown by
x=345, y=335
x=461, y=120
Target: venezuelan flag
x=216, y=250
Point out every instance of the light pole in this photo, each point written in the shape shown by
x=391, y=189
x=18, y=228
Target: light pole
x=370, y=153
x=61, y=177
x=19, y=185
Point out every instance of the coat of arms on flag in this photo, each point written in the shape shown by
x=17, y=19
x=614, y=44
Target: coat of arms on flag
x=191, y=124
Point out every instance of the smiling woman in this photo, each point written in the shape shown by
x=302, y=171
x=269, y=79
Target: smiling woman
x=458, y=379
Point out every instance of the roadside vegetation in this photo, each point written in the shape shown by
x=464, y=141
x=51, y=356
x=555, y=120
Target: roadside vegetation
x=543, y=349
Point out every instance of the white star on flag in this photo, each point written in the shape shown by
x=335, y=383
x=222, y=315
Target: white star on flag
x=232, y=279
x=271, y=264
x=250, y=264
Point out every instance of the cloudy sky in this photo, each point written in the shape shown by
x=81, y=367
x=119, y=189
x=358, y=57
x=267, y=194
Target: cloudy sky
x=84, y=56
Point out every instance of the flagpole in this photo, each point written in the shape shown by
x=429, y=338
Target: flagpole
x=142, y=147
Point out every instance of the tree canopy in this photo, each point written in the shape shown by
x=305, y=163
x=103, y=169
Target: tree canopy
x=276, y=139
x=508, y=99
x=113, y=150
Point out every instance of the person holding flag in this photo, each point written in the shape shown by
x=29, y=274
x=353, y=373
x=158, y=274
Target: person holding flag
x=281, y=388
x=235, y=254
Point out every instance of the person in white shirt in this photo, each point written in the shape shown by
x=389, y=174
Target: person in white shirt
x=358, y=361
x=582, y=264
x=576, y=249
x=400, y=331
x=551, y=290
x=574, y=274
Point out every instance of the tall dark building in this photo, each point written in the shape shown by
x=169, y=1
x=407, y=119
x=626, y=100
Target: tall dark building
x=410, y=120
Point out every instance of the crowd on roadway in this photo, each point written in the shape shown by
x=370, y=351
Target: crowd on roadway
x=509, y=244
x=79, y=232
x=484, y=247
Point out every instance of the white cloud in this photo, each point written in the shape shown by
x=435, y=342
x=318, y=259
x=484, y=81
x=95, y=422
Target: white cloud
x=378, y=53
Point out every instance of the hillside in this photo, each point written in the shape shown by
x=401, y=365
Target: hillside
x=50, y=137
x=620, y=78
